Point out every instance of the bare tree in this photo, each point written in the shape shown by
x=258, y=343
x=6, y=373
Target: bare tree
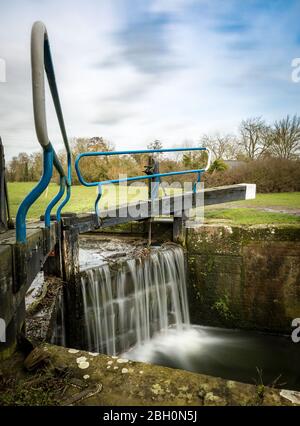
x=255, y=137
x=286, y=137
x=157, y=144
x=222, y=146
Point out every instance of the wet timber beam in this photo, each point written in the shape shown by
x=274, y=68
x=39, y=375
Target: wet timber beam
x=19, y=265
x=174, y=205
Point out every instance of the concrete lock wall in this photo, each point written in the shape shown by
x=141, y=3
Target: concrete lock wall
x=244, y=277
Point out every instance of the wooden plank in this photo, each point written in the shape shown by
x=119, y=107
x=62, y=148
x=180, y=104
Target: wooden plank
x=226, y=194
x=12, y=305
x=29, y=258
x=86, y=222
x=6, y=283
x=179, y=231
x=176, y=204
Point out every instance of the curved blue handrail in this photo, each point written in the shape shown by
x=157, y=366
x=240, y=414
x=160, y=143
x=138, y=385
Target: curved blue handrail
x=55, y=200
x=64, y=202
x=141, y=177
x=34, y=195
x=41, y=62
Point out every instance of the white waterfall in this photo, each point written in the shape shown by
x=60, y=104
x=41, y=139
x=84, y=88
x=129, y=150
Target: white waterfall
x=128, y=304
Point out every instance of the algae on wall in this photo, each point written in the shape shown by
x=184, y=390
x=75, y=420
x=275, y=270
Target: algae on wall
x=244, y=277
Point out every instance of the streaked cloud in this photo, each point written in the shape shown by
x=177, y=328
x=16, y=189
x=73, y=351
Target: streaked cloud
x=136, y=70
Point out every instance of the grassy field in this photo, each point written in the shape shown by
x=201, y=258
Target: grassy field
x=276, y=208
x=289, y=200
x=249, y=216
x=283, y=206
x=82, y=198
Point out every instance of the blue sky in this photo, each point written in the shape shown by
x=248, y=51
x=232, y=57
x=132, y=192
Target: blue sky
x=134, y=70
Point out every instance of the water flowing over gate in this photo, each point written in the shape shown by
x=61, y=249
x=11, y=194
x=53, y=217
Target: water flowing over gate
x=142, y=297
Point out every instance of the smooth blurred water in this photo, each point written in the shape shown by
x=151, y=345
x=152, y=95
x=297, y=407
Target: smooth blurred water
x=244, y=356
x=128, y=303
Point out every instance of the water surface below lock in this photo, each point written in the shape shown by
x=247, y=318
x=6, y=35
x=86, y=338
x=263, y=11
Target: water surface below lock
x=249, y=357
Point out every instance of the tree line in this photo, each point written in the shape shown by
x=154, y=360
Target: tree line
x=256, y=140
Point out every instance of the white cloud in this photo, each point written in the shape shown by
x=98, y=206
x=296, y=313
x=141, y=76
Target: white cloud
x=162, y=69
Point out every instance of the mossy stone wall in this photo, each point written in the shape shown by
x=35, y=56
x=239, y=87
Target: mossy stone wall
x=245, y=277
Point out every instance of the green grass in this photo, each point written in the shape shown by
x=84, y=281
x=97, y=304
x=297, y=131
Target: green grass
x=281, y=199
x=248, y=212
x=239, y=212
x=82, y=198
x=250, y=216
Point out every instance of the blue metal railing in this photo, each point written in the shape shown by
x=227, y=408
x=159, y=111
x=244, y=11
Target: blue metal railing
x=41, y=61
x=136, y=178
